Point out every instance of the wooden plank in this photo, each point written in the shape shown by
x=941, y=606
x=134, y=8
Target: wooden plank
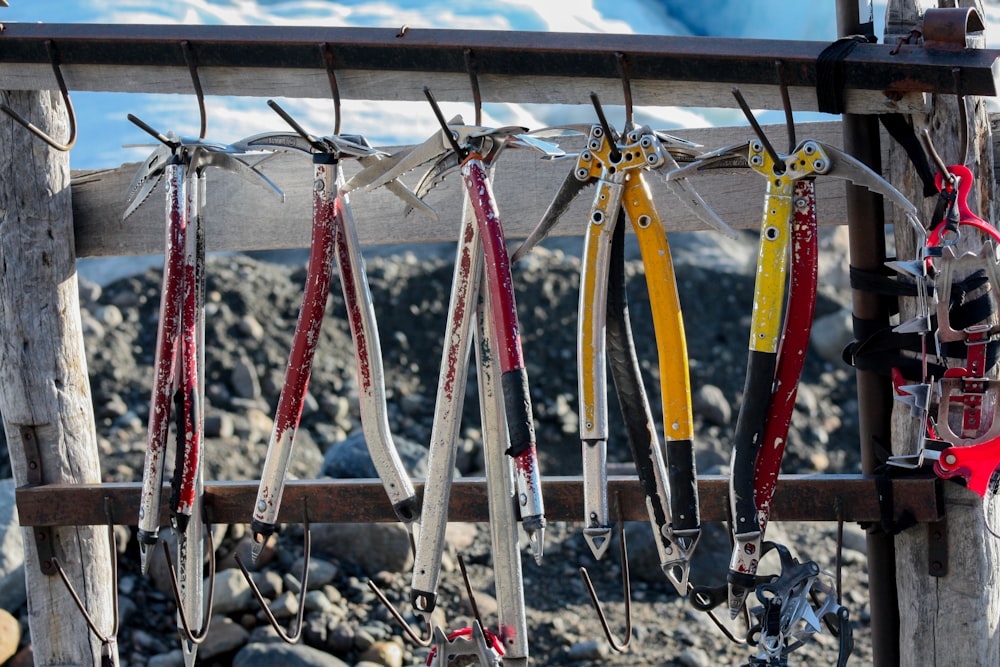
x=242, y=217
x=797, y=498
x=542, y=67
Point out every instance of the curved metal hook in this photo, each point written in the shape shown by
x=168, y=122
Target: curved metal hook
x=406, y=628
x=626, y=588
x=192, y=63
x=946, y=175
x=109, y=638
x=194, y=637
x=623, y=71
x=468, y=590
x=289, y=638
x=786, y=104
x=473, y=67
x=327, y=54
x=54, y=57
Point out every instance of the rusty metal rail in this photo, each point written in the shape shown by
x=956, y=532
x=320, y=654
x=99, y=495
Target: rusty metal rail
x=514, y=66
x=797, y=498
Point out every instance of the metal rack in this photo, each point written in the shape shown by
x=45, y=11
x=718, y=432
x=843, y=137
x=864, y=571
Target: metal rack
x=380, y=64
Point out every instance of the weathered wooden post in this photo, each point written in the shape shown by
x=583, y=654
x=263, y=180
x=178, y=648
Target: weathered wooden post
x=45, y=396
x=949, y=608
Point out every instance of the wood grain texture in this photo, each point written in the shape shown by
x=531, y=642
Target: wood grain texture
x=950, y=620
x=44, y=388
x=242, y=217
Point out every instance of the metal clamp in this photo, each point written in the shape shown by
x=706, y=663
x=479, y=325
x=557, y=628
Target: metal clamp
x=43, y=534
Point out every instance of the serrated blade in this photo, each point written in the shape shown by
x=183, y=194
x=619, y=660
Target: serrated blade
x=570, y=188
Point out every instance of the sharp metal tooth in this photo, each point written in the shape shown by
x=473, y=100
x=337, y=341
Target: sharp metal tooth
x=913, y=267
x=920, y=324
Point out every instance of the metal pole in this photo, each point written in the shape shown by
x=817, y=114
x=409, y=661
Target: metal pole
x=866, y=234
x=866, y=238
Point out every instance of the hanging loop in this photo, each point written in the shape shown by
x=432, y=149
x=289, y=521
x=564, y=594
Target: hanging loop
x=616, y=645
x=287, y=637
x=192, y=64
x=107, y=640
x=400, y=621
x=623, y=71
x=786, y=104
x=199, y=636
x=327, y=54
x=70, y=113
x=473, y=67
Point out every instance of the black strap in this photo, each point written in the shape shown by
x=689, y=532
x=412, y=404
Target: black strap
x=889, y=522
x=830, y=72
x=899, y=129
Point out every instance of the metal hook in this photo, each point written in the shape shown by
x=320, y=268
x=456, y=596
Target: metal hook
x=615, y=155
x=468, y=590
x=473, y=67
x=71, y=114
x=289, y=638
x=786, y=104
x=194, y=637
x=327, y=54
x=192, y=63
x=623, y=71
x=963, y=115
x=946, y=175
x=109, y=639
x=406, y=628
x=768, y=146
x=626, y=587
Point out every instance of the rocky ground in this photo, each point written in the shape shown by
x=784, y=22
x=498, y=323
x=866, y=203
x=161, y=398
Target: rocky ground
x=252, y=307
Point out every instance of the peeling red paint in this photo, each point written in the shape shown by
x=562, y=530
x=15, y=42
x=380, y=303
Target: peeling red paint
x=791, y=351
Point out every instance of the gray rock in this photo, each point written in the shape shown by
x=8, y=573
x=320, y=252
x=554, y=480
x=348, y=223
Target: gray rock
x=219, y=426
x=321, y=572
x=173, y=658
x=589, y=650
x=89, y=291
x=244, y=380
x=349, y=459
x=339, y=637
x=285, y=606
x=284, y=655
x=110, y=315
x=250, y=327
x=694, y=657
x=318, y=601
x=373, y=546
x=831, y=334
x=223, y=636
x=232, y=593
x=12, y=590
x=709, y=402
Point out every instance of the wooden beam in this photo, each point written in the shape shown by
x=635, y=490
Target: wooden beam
x=242, y=217
x=797, y=498
x=45, y=399
x=520, y=67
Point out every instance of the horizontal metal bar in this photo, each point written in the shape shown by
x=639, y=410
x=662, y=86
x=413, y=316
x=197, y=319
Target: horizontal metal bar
x=120, y=49
x=797, y=498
